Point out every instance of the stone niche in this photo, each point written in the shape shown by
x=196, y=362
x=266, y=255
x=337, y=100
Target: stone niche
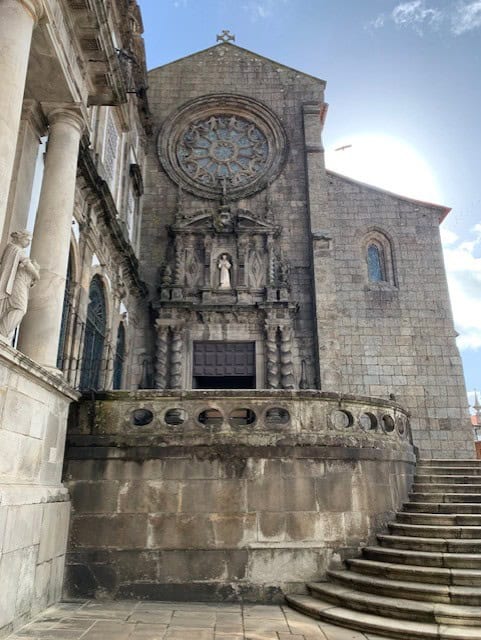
x=228, y=495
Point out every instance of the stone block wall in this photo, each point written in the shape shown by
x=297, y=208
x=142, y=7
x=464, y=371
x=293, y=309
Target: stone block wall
x=34, y=505
x=398, y=337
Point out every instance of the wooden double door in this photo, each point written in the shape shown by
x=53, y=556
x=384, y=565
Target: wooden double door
x=224, y=365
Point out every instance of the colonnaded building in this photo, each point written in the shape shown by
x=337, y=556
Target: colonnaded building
x=252, y=347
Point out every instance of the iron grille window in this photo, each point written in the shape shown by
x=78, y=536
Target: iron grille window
x=94, y=336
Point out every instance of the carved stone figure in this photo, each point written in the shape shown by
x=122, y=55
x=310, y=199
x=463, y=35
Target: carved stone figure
x=224, y=267
x=17, y=275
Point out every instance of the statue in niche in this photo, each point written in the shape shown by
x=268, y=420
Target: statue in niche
x=224, y=267
x=17, y=275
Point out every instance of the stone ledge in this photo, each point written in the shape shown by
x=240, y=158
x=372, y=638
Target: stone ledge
x=23, y=494
x=13, y=359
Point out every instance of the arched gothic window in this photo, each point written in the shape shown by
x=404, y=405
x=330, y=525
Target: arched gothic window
x=94, y=339
x=119, y=357
x=375, y=264
x=66, y=311
x=378, y=256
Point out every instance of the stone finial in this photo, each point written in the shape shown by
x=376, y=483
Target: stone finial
x=225, y=36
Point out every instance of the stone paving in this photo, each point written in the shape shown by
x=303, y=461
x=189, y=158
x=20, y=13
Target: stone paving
x=132, y=620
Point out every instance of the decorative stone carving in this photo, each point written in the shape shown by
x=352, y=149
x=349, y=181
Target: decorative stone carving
x=17, y=275
x=224, y=265
x=272, y=358
x=176, y=358
x=287, y=371
x=222, y=147
x=162, y=357
x=257, y=266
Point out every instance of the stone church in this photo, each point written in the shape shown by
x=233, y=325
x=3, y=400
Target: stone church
x=234, y=354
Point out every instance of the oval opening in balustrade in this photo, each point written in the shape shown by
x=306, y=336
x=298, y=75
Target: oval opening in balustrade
x=388, y=423
x=277, y=415
x=142, y=417
x=342, y=419
x=175, y=417
x=401, y=426
x=210, y=417
x=242, y=417
x=368, y=421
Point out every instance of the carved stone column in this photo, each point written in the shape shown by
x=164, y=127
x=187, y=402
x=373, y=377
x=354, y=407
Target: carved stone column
x=17, y=20
x=272, y=358
x=176, y=358
x=40, y=330
x=162, y=357
x=287, y=369
x=179, y=262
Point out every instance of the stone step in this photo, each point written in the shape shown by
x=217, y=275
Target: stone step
x=443, y=463
x=440, y=519
x=395, y=607
x=442, y=507
x=443, y=479
x=379, y=625
x=434, y=531
x=431, y=544
x=423, y=558
x=449, y=471
x=431, y=496
x=352, y=619
x=416, y=573
x=431, y=487
x=413, y=590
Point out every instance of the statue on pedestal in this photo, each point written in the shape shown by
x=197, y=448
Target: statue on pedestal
x=224, y=266
x=17, y=275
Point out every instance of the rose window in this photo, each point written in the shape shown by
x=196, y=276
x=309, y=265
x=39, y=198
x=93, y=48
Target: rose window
x=223, y=149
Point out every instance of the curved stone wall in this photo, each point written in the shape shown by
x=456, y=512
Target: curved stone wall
x=227, y=495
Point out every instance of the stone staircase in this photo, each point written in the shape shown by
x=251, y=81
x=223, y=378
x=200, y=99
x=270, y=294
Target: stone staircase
x=423, y=579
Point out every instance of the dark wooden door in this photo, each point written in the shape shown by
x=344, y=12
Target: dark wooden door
x=216, y=358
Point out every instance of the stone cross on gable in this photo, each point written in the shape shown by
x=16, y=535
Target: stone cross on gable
x=225, y=36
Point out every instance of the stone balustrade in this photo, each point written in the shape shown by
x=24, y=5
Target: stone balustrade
x=253, y=417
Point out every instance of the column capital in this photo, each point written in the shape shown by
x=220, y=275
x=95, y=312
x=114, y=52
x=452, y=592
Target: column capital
x=69, y=113
x=34, y=8
x=33, y=113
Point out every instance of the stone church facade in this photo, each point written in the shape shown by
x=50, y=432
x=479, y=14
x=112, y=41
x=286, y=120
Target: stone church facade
x=249, y=344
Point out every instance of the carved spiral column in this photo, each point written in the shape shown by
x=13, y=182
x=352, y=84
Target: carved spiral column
x=271, y=262
x=176, y=359
x=272, y=358
x=287, y=370
x=179, y=262
x=162, y=358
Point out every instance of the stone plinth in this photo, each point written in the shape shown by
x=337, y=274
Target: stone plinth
x=229, y=495
x=34, y=505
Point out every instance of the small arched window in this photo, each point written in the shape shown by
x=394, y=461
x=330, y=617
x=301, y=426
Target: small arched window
x=119, y=357
x=376, y=267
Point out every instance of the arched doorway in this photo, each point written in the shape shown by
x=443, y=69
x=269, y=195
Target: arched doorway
x=94, y=340
x=119, y=357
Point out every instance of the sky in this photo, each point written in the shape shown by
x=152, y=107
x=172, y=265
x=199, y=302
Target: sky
x=404, y=91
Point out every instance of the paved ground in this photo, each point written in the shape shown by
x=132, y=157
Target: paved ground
x=89, y=620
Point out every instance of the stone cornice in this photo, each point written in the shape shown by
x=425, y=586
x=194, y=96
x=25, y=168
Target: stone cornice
x=109, y=215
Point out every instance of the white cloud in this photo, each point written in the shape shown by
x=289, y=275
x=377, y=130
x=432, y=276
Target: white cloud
x=466, y=17
x=421, y=15
x=463, y=266
x=416, y=14
x=260, y=9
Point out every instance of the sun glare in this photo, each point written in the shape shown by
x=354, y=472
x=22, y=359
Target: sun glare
x=384, y=162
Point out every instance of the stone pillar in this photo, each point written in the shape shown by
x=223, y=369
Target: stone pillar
x=176, y=358
x=32, y=127
x=40, y=330
x=272, y=358
x=17, y=20
x=162, y=362
x=287, y=371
